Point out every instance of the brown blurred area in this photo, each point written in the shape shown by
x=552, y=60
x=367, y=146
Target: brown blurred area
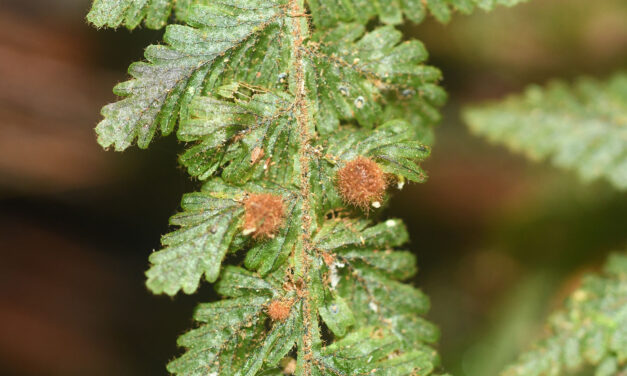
x=499, y=240
x=50, y=91
x=73, y=238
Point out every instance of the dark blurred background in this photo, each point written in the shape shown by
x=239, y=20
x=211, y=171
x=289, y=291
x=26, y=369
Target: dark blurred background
x=500, y=240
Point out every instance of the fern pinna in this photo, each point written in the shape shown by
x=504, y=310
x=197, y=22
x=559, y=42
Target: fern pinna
x=581, y=127
x=591, y=331
x=297, y=117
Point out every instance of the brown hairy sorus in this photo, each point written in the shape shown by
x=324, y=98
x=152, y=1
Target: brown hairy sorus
x=263, y=214
x=361, y=183
x=279, y=309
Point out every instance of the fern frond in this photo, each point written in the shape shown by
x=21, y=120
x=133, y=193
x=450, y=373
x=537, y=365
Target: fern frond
x=326, y=13
x=271, y=112
x=130, y=13
x=356, y=284
x=582, y=127
x=355, y=277
x=591, y=330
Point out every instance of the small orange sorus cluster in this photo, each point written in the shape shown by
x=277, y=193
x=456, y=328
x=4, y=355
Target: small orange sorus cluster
x=279, y=309
x=361, y=183
x=263, y=215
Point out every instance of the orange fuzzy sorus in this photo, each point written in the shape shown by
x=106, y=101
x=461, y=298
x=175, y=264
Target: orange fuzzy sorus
x=361, y=182
x=279, y=309
x=263, y=214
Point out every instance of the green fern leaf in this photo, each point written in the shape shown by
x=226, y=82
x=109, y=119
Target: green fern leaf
x=352, y=70
x=370, y=352
x=582, y=127
x=393, y=145
x=591, y=330
x=130, y=13
x=233, y=326
x=365, y=272
x=209, y=222
x=210, y=225
x=326, y=13
x=249, y=138
x=221, y=36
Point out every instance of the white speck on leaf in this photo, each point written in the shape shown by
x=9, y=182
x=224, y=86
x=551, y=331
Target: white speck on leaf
x=359, y=102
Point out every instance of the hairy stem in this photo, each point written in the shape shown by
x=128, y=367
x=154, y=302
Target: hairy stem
x=299, y=30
